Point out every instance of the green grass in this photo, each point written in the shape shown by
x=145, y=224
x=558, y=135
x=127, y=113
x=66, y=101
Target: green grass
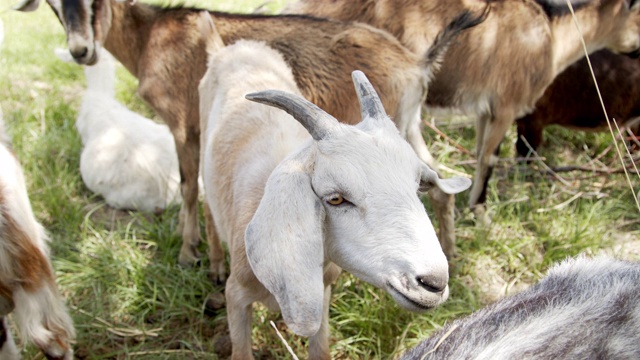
x=118, y=270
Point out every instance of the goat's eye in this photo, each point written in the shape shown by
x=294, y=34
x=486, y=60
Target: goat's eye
x=335, y=200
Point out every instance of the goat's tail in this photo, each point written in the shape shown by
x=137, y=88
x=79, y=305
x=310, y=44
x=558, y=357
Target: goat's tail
x=432, y=59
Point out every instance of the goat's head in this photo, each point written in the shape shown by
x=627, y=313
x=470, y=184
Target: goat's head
x=86, y=23
x=625, y=26
x=350, y=197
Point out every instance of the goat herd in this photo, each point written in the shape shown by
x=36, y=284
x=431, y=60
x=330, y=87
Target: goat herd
x=300, y=191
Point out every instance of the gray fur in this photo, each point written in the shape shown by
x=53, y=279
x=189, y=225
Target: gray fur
x=584, y=309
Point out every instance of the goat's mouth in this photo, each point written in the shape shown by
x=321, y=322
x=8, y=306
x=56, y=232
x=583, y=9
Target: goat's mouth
x=418, y=305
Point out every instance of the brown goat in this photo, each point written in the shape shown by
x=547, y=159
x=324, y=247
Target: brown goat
x=164, y=49
x=498, y=69
x=27, y=283
x=571, y=100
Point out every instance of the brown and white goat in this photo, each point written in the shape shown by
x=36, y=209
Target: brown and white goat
x=571, y=100
x=27, y=283
x=496, y=70
x=164, y=49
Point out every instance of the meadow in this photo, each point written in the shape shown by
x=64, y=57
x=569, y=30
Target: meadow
x=129, y=299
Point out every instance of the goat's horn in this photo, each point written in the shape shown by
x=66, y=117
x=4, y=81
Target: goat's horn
x=370, y=104
x=27, y=5
x=317, y=122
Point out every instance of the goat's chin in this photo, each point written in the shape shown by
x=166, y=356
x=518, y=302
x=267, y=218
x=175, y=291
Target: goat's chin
x=416, y=301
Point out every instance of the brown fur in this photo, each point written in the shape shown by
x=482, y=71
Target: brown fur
x=498, y=69
x=29, y=270
x=164, y=49
x=571, y=100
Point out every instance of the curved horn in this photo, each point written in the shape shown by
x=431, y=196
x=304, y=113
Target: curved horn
x=27, y=5
x=370, y=104
x=317, y=122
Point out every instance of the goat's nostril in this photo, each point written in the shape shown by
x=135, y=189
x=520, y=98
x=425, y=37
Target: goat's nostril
x=433, y=283
x=80, y=52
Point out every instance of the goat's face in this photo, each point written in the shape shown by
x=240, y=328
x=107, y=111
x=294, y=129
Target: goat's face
x=625, y=34
x=350, y=197
x=86, y=23
x=375, y=225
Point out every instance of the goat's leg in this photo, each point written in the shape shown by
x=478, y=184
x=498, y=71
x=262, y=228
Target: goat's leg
x=493, y=132
x=217, y=271
x=443, y=204
x=239, y=308
x=532, y=131
x=8, y=350
x=188, y=157
x=173, y=105
x=319, y=343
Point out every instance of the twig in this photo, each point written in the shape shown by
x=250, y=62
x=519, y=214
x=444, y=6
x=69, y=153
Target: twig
x=561, y=205
x=458, y=146
x=160, y=352
x=442, y=339
x=569, y=168
x=452, y=171
x=604, y=109
x=283, y=340
x=531, y=150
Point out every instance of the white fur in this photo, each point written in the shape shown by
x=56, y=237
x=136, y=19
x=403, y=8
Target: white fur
x=128, y=159
x=264, y=173
x=40, y=313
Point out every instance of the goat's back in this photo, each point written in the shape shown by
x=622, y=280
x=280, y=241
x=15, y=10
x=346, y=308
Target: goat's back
x=572, y=100
x=322, y=54
x=244, y=140
x=128, y=159
x=582, y=309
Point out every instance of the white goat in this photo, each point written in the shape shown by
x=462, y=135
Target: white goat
x=297, y=199
x=27, y=283
x=583, y=309
x=128, y=159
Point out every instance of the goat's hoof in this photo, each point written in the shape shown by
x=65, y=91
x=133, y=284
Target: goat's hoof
x=55, y=352
x=483, y=219
x=189, y=258
x=222, y=346
x=213, y=303
x=218, y=273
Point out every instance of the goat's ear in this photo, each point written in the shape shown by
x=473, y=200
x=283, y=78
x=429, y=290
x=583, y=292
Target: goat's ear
x=284, y=244
x=209, y=33
x=429, y=178
x=27, y=5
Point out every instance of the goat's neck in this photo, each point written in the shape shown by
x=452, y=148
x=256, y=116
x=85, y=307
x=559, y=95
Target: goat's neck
x=129, y=32
x=567, y=45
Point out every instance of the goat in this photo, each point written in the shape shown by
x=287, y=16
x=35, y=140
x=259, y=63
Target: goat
x=27, y=283
x=128, y=159
x=572, y=101
x=295, y=200
x=496, y=70
x=164, y=49
x=583, y=309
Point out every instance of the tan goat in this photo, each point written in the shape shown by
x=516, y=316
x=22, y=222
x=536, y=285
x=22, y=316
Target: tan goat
x=498, y=69
x=164, y=49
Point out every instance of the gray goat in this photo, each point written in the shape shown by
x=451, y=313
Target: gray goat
x=583, y=309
